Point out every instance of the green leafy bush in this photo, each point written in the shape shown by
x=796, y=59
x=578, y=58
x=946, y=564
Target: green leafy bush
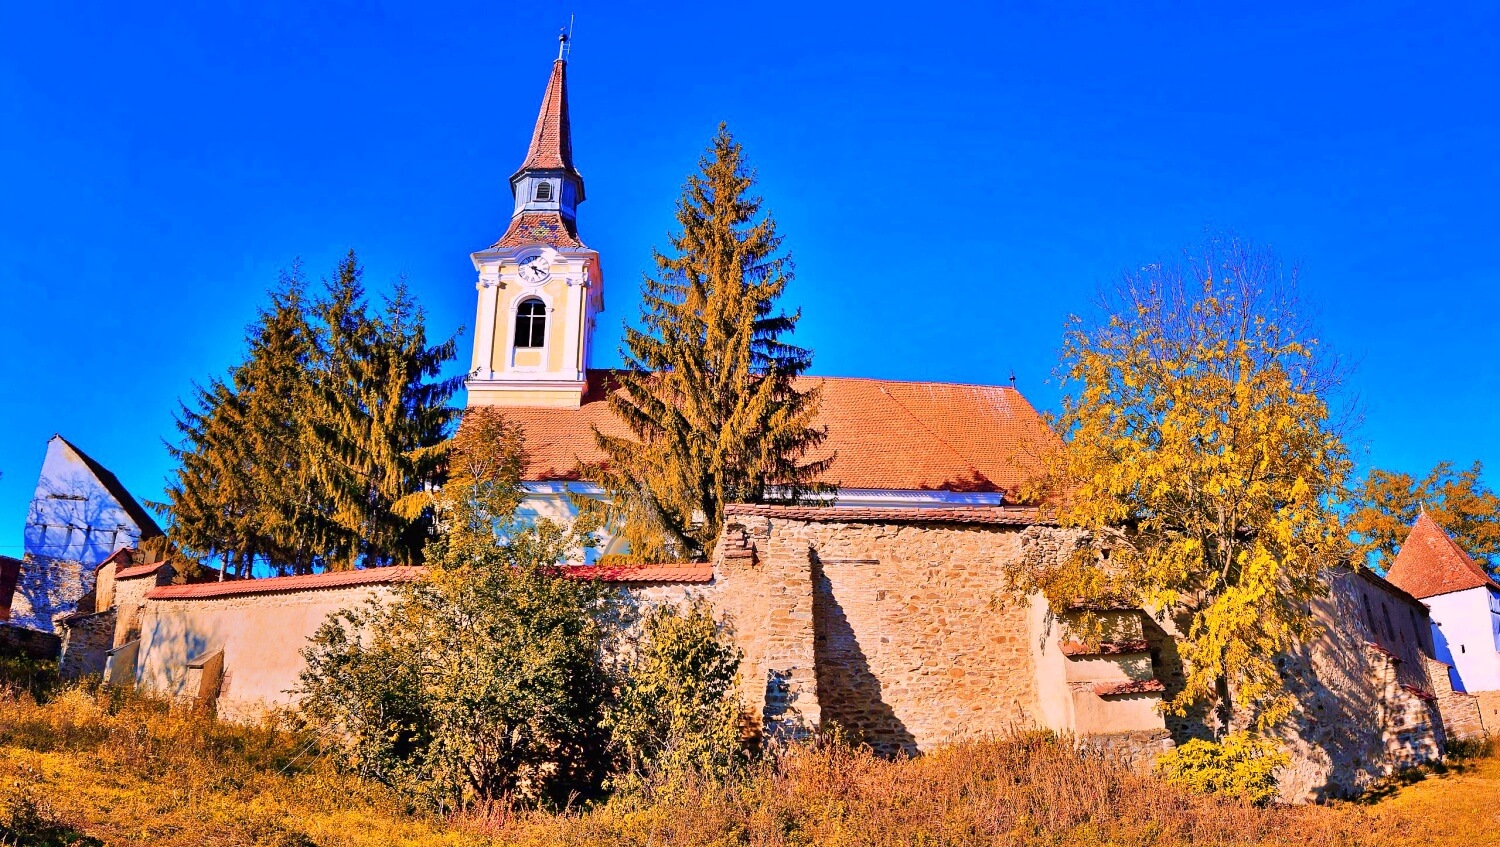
x=480, y=682
x=483, y=680
x=1241, y=764
x=19, y=672
x=677, y=716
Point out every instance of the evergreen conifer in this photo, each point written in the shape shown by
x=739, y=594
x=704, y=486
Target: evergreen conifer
x=317, y=450
x=710, y=388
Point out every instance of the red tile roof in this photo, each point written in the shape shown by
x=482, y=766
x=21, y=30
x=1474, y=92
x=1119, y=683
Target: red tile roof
x=1430, y=563
x=1106, y=648
x=309, y=582
x=549, y=228
x=1001, y=515
x=683, y=573
x=1142, y=686
x=1420, y=693
x=122, y=558
x=884, y=434
x=678, y=573
x=552, y=140
x=138, y=570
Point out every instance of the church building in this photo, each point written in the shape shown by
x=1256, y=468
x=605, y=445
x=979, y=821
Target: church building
x=903, y=445
x=884, y=613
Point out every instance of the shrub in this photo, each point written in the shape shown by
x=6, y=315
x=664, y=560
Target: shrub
x=1241, y=765
x=479, y=682
x=677, y=716
x=20, y=672
x=26, y=818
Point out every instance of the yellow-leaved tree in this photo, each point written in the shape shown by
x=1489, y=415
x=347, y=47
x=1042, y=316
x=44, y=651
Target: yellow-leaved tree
x=1201, y=460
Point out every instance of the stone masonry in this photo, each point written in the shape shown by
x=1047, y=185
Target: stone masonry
x=897, y=629
x=893, y=625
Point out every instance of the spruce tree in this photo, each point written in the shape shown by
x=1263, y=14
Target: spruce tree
x=236, y=497
x=709, y=391
x=317, y=450
x=378, y=417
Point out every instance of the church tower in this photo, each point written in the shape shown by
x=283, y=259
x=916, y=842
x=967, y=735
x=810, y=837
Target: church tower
x=539, y=287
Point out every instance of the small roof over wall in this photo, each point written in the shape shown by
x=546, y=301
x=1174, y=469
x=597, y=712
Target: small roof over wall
x=999, y=515
x=624, y=574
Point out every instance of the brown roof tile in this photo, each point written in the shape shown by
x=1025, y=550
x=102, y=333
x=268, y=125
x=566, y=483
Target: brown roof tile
x=1430, y=563
x=676, y=573
x=679, y=573
x=549, y=228
x=1140, y=686
x=1002, y=515
x=884, y=434
x=309, y=582
x=552, y=139
x=122, y=558
x=138, y=570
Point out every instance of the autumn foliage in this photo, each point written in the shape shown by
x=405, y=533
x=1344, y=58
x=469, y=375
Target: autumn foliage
x=1202, y=461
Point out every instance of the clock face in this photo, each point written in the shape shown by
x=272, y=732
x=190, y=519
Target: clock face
x=534, y=269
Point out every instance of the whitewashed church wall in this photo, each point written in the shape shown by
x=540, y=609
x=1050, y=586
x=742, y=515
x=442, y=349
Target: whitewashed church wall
x=1463, y=635
x=261, y=637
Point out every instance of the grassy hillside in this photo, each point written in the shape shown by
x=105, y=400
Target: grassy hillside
x=118, y=770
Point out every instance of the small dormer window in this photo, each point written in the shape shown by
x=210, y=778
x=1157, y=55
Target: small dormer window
x=531, y=324
x=543, y=191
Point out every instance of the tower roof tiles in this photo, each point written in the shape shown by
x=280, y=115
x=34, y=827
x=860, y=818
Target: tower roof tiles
x=1431, y=563
x=552, y=139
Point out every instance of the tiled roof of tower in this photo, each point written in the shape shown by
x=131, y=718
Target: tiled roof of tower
x=884, y=434
x=1430, y=563
x=549, y=228
x=552, y=140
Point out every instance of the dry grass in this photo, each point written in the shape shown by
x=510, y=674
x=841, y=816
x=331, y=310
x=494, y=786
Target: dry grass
x=125, y=770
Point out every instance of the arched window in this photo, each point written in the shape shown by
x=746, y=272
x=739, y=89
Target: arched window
x=543, y=191
x=531, y=323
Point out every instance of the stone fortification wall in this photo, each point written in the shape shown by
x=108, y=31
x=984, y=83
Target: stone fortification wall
x=901, y=631
x=86, y=642
x=237, y=645
x=1365, y=704
x=1488, y=703
x=128, y=593
x=29, y=642
x=1462, y=718
x=47, y=588
x=763, y=589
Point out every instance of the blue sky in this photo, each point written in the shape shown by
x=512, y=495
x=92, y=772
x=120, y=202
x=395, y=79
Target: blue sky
x=160, y=162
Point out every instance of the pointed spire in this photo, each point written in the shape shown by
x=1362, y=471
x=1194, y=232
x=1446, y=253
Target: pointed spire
x=552, y=140
x=547, y=188
x=1431, y=563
